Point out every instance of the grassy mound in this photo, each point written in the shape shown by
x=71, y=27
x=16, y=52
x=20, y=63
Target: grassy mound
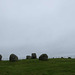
x=35, y=67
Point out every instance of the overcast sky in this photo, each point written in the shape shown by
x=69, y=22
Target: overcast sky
x=41, y=26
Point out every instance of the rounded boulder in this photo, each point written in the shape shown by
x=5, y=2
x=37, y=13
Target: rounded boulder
x=43, y=57
x=0, y=57
x=13, y=58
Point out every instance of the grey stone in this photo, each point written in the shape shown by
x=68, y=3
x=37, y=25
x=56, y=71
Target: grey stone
x=43, y=57
x=13, y=58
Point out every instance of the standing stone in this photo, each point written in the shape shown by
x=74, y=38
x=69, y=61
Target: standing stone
x=28, y=57
x=13, y=58
x=34, y=56
x=69, y=57
x=43, y=57
x=0, y=57
x=62, y=57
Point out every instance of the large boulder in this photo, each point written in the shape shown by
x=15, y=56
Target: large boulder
x=28, y=57
x=43, y=57
x=13, y=58
x=33, y=56
x=69, y=57
x=62, y=57
x=0, y=57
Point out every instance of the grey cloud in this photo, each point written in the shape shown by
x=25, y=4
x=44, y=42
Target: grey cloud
x=42, y=26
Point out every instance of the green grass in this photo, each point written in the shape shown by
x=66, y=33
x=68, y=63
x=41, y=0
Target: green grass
x=35, y=67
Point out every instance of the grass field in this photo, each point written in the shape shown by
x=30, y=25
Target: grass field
x=56, y=66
